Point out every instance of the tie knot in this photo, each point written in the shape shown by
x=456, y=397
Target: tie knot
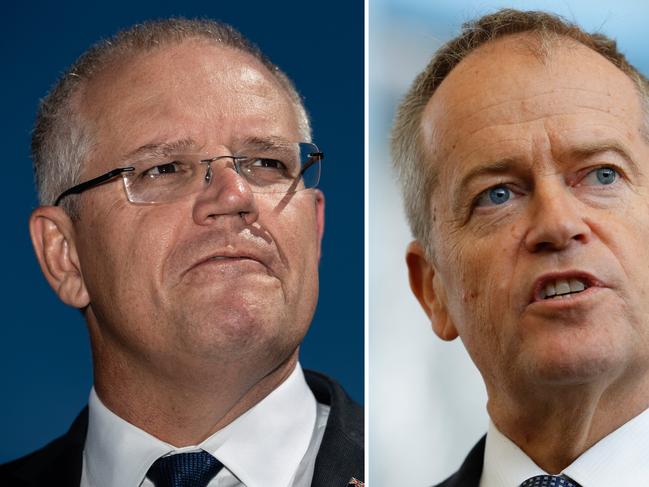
x=549, y=481
x=184, y=470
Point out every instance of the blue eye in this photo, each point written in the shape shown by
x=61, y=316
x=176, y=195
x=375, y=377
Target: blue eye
x=602, y=176
x=605, y=175
x=494, y=196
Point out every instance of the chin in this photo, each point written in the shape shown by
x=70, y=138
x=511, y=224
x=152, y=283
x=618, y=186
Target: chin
x=576, y=366
x=237, y=333
x=235, y=329
x=575, y=353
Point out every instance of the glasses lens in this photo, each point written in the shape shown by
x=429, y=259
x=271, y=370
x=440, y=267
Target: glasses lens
x=285, y=168
x=311, y=164
x=282, y=168
x=164, y=180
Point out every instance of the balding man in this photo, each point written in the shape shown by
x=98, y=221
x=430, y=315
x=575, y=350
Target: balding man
x=180, y=214
x=523, y=152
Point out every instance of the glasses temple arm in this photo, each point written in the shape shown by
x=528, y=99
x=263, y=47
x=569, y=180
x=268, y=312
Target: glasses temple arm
x=80, y=188
x=313, y=158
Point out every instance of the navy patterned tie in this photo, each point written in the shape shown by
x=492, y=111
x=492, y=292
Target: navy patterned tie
x=184, y=470
x=549, y=481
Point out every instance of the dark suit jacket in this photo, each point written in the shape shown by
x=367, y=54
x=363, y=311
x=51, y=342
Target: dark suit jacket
x=340, y=456
x=469, y=473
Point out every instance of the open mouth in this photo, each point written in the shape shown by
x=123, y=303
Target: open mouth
x=562, y=288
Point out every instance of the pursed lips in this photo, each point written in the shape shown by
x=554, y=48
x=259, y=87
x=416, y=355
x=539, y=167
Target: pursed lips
x=232, y=257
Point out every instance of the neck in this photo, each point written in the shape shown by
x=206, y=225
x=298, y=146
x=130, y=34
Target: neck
x=556, y=425
x=190, y=406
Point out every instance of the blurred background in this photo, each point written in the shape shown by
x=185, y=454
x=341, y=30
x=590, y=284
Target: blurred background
x=44, y=355
x=427, y=400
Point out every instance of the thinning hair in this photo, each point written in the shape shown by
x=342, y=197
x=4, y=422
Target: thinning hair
x=62, y=139
x=416, y=172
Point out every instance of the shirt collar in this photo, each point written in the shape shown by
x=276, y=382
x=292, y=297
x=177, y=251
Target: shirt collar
x=617, y=459
x=505, y=464
x=259, y=451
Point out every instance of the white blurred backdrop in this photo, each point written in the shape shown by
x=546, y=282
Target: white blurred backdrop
x=427, y=400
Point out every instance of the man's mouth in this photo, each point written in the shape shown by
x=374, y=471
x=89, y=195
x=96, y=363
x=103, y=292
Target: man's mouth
x=561, y=288
x=563, y=285
x=224, y=260
x=233, y=259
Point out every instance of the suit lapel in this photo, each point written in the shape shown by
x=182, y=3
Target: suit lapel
x=471, y=470
x=340, y=457
x=58, y=464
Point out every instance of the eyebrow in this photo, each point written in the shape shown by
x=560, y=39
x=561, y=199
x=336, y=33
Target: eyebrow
x=264, y=143
x=160, y=149
x=586, y=150
x=157, y=149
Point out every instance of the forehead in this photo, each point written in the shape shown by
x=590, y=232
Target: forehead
x=193, y=90
x=507, y=93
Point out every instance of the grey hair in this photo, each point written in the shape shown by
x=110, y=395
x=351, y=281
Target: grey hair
x=62, y=139
x=417, y=174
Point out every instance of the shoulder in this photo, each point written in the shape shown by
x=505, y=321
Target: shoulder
x=57, y=464
x=341, y=454
x=346, y=414
x=471, y=470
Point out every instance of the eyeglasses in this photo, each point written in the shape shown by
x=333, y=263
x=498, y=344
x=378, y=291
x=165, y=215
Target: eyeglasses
x=283, y=168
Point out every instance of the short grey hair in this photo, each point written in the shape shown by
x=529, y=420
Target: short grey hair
x=417, y=174
x=61, y=140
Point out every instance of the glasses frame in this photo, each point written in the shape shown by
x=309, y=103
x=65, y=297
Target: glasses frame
x=315, y=157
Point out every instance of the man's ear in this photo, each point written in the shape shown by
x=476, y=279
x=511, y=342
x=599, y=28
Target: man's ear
x=427, y=287
x=52, y=234
x=320, y=218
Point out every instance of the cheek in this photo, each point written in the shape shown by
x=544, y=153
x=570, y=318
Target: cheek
x=481, y=280
x=293, y=227
x=295, y=232
x=125, y=259
x=625, y=236
x=481, y=268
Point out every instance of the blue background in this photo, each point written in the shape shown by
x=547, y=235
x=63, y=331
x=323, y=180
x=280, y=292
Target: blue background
x=45, y=361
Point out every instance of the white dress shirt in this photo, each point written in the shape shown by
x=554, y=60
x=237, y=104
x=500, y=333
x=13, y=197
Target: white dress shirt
x=621, y=458
x=273, y=444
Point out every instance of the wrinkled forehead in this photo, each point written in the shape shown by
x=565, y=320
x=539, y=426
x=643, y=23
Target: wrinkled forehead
x=194, y=89
x=518, y=79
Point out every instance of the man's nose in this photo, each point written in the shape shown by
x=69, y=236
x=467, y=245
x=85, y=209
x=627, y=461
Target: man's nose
x=557, y=220
x=226, y=193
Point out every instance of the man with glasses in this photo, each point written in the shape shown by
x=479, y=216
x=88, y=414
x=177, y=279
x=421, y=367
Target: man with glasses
x=179, y=213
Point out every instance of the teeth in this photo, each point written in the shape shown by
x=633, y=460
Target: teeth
x=562, y=287
x=550, y=290
x=576, y=286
